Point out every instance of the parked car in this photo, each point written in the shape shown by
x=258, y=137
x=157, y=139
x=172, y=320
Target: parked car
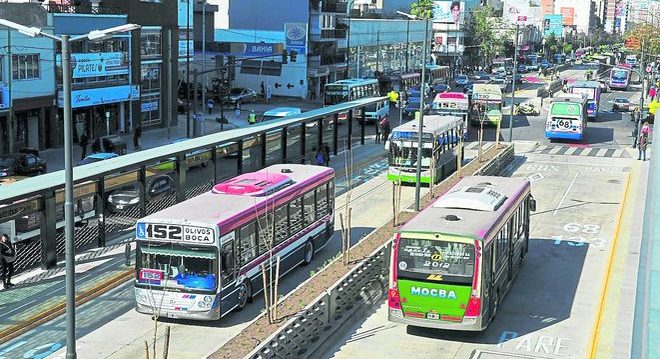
x=620, y=104
x=242, y=95
x=519, y=78
x=522, y=68
x=25, y=163
x=412, y=106
x=97, y=157
x=440, y=87
x=545, y=64
x=461, y=80
x=127, y=197
x=481, y=76
x=500, y=81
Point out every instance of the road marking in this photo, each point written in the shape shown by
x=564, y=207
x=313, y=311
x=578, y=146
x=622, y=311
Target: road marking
x=593, y=343
x=17, y=308
x=566, y=193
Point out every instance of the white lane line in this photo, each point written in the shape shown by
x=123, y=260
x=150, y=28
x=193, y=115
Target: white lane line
x=566, y=193
x=17, y=308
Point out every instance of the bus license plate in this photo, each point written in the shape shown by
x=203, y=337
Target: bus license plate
x=432, y=316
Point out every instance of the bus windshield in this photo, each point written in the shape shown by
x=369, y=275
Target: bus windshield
x=177, y=266
x=619, y=74
x=417, y=258
x=406, y=156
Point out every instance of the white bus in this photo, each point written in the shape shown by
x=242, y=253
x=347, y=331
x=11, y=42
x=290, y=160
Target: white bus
x=439, y=137
x=201, y=258
x=567, y=117
x=353, y=89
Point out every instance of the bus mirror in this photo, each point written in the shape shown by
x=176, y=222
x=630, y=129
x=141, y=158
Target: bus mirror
x=387, y=145
x=532, y=204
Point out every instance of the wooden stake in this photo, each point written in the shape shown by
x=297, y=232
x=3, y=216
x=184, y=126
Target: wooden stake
x=348, y=237
x=459, y=159
x=166, y=345
x=146, y=350
x=277, y=282
x=263, y=277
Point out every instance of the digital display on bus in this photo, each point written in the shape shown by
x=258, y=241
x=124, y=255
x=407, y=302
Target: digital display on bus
x=435, y=259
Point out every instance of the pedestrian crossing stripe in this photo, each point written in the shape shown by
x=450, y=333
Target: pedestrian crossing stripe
x=582, y=151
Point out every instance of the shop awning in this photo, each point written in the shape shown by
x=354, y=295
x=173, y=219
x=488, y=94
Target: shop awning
x=178, y=252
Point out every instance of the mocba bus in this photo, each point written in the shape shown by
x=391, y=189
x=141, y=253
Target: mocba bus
x=567, y=117
x=436, y=73
x=592, y=90
x=202, y=258
x=620, y=76
x=453, y=104
x=486, y=104
x=353, y=89
x=440, y=135
x=452, y=264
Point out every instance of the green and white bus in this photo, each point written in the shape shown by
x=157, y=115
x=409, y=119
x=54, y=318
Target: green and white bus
x=440, y=135
x=452, y=264
x=486, y=104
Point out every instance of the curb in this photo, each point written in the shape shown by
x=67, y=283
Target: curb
x=60, y=308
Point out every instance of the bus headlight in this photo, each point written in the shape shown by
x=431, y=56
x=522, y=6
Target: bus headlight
x=140, y=297
x=208, y=299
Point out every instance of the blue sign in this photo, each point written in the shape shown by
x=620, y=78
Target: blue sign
x=295, y=34
x=4, y=96
x=141, y=231
x=397, y=135
x=552, y=24
x=100, y=96
x=259, y=49
x=99, y=64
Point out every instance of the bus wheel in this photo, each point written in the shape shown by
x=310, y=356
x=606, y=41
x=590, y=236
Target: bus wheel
x=244, y=294
x=309, y=253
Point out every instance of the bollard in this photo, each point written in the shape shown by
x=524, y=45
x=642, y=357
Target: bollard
x=127, y=255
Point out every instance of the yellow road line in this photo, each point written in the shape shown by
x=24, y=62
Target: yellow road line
x=595, y=334
x=60, y=308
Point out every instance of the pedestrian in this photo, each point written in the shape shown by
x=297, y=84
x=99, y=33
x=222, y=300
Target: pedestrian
x=641, y=145
x=635, y=133
x=96, y=146
x=377, y=127
x=318, y=157
x=237, y=109
x=262, y=89
x=137, y=135
x=84, y=141
x=7, y=259
x=252, y=119
x=210, y=103
x=385, y=126
x=326, y=155
x=652, y=92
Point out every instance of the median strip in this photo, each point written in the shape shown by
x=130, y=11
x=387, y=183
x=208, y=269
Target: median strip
x=58, y=309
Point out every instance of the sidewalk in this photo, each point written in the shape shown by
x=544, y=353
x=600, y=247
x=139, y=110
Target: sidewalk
x=155, y=137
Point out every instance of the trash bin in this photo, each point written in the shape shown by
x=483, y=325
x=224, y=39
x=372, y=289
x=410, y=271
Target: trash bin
x=113, y=144
x=198, y=125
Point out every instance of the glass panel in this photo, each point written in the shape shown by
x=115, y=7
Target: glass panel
x=265, y=231
x=328, y=133
x=248, y=237
x=293, y=154
x=281, y=224
x=273, y=148
x=308, y=201
x=227, y=161
x=175, y=266
x=296, y=215
x=311, y=141
x=252, y=154
x=420, y=257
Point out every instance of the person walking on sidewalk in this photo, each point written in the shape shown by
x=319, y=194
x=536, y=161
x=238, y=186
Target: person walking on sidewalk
x=252, y=119
x=643, y=141
x=377, y=127
x=319, y=158
x=7, y=259
x=326, y=155
x=210, y=103
x=137, y=135
x=84, y=141
x=237, y=109
x=385, y=127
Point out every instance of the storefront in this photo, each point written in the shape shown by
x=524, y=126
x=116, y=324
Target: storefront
x=101, y=111
x=33, y=122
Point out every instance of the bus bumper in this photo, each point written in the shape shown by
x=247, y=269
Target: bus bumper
x=472, y=324
x=408, y=177
x=212, y=314
x=563, y=135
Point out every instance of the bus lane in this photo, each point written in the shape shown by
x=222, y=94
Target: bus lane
x=551, y=308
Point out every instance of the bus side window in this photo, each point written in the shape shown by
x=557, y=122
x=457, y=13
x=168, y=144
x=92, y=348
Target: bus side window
x=308, y=202
x=296, y=215
x=331, y=194
x=265, y=230
x=227, y=260
x=321, y=201
x=248, y=238
x=281, y=224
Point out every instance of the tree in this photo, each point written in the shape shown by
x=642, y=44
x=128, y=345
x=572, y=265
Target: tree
x=645, y=35
x=485, y=34
x=551, y=45
x=422, y=9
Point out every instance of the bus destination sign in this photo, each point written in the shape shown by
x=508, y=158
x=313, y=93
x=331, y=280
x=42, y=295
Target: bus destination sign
x=174, y=232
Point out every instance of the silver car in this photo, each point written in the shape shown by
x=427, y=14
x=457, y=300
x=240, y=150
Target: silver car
x=242, y=95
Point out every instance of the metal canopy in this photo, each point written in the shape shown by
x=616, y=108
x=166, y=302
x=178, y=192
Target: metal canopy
x=55, y=180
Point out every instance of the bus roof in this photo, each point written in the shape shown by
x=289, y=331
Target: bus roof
x=242, y=195
x=472, y=208
x=585, y=84
x=283, y=111
x=492, y=91
x=570, y=97
x=452, y=96
x=435, y=124
x=355, y=81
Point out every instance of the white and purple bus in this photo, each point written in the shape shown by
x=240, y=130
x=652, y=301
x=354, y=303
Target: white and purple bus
x=592, y=90
x=202, y=258
x=620, y=76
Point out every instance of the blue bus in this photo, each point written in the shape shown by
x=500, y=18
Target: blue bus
x=567, y=118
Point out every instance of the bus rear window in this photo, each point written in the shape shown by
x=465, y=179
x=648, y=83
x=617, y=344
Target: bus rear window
x=420, y=258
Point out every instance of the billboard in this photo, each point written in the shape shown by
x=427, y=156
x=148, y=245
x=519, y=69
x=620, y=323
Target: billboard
x=94, y=64
x=295, y=34
x=514, y=9
x=183, y=50
x=552, y=24
x=100, y=96
x=547, y=7
x=450, y=12
x=568, y=13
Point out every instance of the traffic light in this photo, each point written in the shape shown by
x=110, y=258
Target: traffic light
x=284, y=57
x=293, y=55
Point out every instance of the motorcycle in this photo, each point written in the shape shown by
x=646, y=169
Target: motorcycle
x=527, y=109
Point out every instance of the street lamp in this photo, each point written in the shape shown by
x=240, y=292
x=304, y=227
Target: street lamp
x=95, y=35
x=420, y=125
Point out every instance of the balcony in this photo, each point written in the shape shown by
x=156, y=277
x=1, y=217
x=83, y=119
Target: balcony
x=83, y=9
x=332, y=34
x=334, y=7
x=332, y=59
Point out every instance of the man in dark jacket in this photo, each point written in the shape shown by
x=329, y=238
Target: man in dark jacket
x=7, y=258
x=84, y=141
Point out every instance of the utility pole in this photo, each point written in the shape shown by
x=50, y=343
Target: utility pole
x=203, y=60
x=10, y=119
x=378, y=51
x=407, y=43
x=513, y=83
x=642, y=74
x=188, y=69
x=420, y=125
x=169, y=84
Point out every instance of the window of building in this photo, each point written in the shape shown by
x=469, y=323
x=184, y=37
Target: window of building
x=150, y=76
x=328, y=21
x=150, y=44
x=25, y=67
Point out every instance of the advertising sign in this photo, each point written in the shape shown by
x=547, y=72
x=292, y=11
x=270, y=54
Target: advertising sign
x=100, y=96
x=185, y=13
x=4, y=96
x=513, y=10
x=568, y=14
x=98, y=64
x=295, y=37
x=552, y=24
x=451, y=12
x=547, y=7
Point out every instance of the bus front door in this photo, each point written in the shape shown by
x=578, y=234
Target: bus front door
x=488, y=285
